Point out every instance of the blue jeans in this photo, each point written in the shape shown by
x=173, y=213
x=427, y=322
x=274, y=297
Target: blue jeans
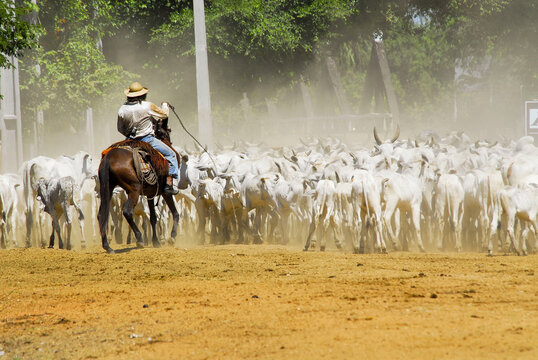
x=168, y=153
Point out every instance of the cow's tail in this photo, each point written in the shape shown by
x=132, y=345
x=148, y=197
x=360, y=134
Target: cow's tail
x=105, y=194
x=77, y=193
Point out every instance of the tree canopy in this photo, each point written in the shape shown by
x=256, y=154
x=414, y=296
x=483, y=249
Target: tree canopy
x=90, y=50
x=16, y=32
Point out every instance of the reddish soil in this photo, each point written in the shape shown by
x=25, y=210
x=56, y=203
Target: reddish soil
x=266, y=302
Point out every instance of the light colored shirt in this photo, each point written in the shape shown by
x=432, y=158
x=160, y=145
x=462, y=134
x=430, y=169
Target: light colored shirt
x=135, y=120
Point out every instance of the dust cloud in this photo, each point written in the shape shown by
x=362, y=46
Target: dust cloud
x=284, y=113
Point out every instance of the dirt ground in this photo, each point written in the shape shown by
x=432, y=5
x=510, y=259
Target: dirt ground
x=265, y=302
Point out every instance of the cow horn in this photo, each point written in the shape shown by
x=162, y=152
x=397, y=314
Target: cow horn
x=396, y=134
x=376, y=137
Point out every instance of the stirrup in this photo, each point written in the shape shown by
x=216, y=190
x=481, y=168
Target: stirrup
x=170, y=190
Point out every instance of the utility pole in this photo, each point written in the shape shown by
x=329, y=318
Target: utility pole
x=205, y=127
x=10, y=118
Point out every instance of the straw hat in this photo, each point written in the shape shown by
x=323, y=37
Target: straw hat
x=135, y=89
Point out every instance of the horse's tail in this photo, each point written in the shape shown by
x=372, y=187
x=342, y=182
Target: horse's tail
x=105, y=193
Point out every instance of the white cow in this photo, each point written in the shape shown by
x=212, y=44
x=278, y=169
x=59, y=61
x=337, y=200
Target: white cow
x=9, y=208
x=521, y=204
x=366, y=201
x=323, y=214
x=57, y=197
x=448, y=210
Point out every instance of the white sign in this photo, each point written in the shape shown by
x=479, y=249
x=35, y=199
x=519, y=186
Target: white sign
x=531, y=117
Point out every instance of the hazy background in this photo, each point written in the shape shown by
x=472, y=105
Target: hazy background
x=466, y=67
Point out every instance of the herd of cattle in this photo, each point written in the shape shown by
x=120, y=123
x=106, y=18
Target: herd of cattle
x=431, y=193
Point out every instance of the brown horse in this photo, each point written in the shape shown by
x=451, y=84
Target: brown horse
x=117, y=169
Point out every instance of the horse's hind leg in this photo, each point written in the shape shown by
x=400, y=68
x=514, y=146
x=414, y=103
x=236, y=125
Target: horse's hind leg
x=128, y=211
x=153, y=222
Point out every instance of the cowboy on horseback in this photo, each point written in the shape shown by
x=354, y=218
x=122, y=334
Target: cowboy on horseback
x=135, y=122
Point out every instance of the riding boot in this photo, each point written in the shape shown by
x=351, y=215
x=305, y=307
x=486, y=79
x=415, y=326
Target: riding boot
x=170, y=188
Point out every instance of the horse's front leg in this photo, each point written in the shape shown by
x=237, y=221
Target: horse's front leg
x=175, y=214
x=153, y=222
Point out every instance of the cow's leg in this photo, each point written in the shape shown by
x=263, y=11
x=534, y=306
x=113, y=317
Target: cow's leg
x=81, y=224
x=29, y=223
x=439, y=230
x=274, y=216
x=337, y=234
x=357, y=239
x=284, y=226
x=68, y=224
x=56, y=227
x=257, y=226
x=128, y=212
x=390, y=207
x=510, y=228
x=416, y=223
x=51, y=238
x=153, y=222
x=382, y=246
x=202, y=218
x=4, y=234
x=458, y=229
x=313, y=225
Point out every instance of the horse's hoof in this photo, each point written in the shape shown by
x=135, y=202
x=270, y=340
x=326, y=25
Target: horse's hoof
x=322, y=248
x=156, y=244
x=51, y=246
x=140, y=244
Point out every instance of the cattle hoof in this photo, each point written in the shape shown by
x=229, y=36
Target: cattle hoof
x=140, y=244
x=110, y=251
x=322, y=248
x=490, y=253
x=356, y=250
x=305, y=249
x=384, y=251
x=156, y=244
x=51, y=246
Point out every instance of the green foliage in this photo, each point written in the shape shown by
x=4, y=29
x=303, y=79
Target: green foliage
x=16, y=33
x=266, y=47
x=253, y=43
x=74, y=73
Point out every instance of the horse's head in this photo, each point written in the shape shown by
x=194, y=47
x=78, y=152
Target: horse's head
x=162, y=131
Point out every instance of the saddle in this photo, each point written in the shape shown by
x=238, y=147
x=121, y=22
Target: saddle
x=149, y=163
